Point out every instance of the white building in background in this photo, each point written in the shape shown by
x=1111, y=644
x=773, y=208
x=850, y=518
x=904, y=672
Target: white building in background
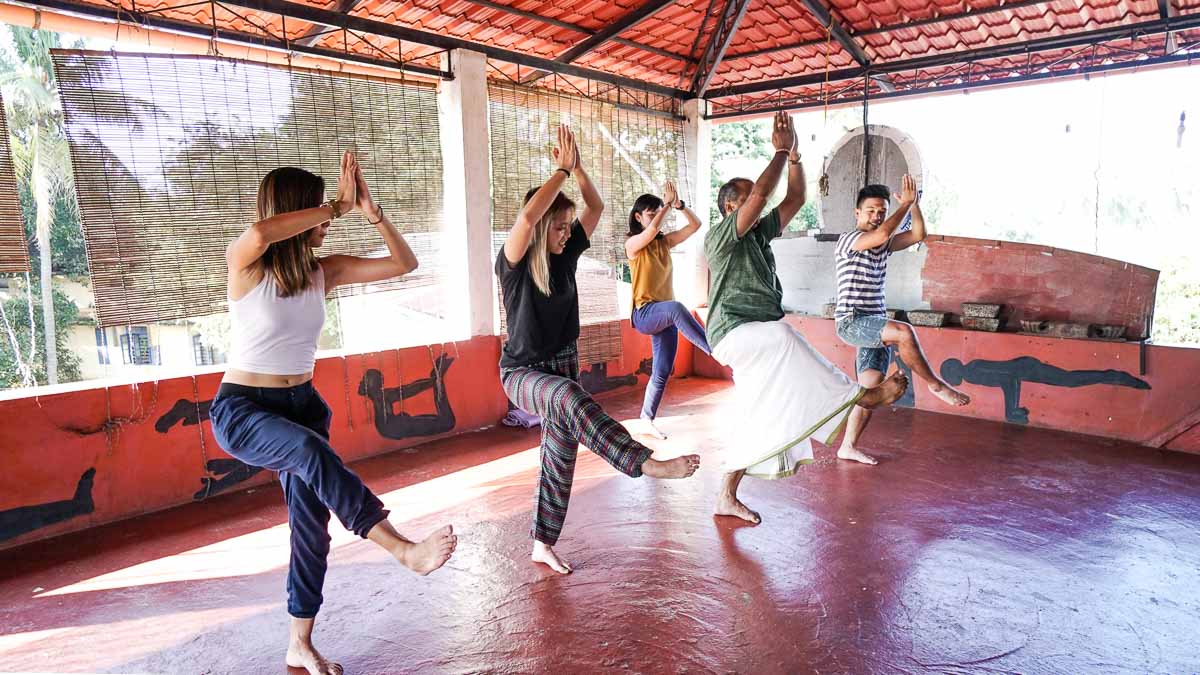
x=136, y=351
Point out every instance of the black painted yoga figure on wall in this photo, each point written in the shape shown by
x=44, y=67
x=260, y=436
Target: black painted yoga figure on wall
x=24, y=519
x=596, y=379
x=1008, y=376
x=228, y=472
x=187, y=411
x=400, y=425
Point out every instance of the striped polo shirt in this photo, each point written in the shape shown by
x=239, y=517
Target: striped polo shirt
x=860, y=276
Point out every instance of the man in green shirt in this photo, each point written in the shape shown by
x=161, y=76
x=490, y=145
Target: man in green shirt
x=785, y=391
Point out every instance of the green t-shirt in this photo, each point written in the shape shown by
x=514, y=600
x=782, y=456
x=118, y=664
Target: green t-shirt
x=742, y=285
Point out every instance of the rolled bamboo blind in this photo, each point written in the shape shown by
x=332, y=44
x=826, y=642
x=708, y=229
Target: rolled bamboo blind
x=14, y=250
x=169, y=150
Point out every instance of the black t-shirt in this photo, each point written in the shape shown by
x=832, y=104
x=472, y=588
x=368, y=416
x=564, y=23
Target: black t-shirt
x=539, y=326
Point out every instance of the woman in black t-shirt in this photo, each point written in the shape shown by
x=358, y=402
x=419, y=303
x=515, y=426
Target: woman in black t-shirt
x=539, y=367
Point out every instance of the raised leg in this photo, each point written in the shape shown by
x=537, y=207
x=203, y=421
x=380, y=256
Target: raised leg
x=904, y=338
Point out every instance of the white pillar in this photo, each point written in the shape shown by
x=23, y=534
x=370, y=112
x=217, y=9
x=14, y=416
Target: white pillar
x=691, y=281
x=467, y=197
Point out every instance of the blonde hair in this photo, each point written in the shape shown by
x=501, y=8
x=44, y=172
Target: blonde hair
x=291, y=262
x=539, y=251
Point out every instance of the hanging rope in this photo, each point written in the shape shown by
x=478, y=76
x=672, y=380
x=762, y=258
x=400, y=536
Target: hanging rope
x=866, y=131
x=825, y=84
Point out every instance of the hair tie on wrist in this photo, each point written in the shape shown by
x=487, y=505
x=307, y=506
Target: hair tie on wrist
x=564, y=171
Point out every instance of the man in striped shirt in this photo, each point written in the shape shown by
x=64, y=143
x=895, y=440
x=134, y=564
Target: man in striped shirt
x=862, y=257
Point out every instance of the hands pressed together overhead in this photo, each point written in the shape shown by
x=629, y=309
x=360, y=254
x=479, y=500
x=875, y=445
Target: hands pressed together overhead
x=353, y=192
x=566, y=153
x=908, y=190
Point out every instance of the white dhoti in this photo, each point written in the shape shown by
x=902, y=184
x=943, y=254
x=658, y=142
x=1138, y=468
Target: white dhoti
x=785, y=393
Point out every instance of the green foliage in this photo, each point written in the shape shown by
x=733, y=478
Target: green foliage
x=39, y=144
x=16, y=310
x=733, y=141
x=67, y=248
x=1177, y=309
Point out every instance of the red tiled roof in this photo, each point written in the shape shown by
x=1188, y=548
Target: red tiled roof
x=776, y=39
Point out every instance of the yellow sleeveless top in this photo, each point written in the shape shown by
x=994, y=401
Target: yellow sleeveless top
x=651, y=274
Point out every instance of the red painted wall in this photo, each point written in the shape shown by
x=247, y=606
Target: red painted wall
x=1038, y=282
x=146, y=458
x=1165, y=415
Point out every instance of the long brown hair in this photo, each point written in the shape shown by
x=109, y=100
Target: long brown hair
x=290, y=262
x=539, y=253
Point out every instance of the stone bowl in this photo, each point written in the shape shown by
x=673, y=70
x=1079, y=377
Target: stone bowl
x=926, y=318
x=990, y=325
x=981, y=310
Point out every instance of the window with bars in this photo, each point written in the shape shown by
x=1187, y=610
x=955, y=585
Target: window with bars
x=626, y=151
x=168, y=152
x=102, y=355
x=205, y=354
x=136, y=348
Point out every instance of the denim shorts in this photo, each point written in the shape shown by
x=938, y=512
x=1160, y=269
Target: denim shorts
x=865, y=331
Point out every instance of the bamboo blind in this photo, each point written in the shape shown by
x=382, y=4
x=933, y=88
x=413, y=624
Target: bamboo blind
x=626, y=153
x=169, y=150
x=14, y=250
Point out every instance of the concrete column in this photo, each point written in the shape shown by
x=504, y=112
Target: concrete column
x=467, y=197
x=691, y=278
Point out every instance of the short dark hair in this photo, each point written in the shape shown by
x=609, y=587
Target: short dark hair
x=871, y=192
x=646, y=201
x=729, y=191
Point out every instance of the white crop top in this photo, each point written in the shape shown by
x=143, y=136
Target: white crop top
x=273, y=335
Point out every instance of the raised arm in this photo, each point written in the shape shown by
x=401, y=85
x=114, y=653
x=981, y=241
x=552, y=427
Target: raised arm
x=593, y=204
x=637, y=242
x=796, y=186
x=565, y=158
x=348, y=269
x=882, y=234
x=245, y=251
x=682, y=234
x=782, y=136
x=917, y=234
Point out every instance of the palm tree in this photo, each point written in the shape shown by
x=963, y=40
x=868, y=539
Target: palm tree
x=39, y=148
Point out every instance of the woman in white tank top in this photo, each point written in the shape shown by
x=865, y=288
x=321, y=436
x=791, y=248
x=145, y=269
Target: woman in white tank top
x=267, y=413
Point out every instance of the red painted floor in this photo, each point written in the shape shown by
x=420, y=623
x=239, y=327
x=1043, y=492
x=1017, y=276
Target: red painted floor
x=973, y=547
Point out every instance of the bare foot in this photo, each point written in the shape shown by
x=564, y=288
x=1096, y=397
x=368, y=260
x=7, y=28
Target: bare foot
x=680, y=467
x=856, y=455
x=886, y=393
x=543, y=553
x=653, y=430
x=949, y=394
x=428, y=555
x=732, y=506
x=300, y=655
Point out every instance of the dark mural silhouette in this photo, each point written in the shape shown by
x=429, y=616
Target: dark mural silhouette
x=24, y=519
x=399, y=425
x=228, y=472
x=188, y=412
x=1009, y=375
x=595, y=380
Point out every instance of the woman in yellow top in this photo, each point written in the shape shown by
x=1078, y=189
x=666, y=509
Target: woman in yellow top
x=655, y=312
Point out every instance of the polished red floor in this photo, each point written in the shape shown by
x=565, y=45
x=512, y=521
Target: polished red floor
x=973, y=547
